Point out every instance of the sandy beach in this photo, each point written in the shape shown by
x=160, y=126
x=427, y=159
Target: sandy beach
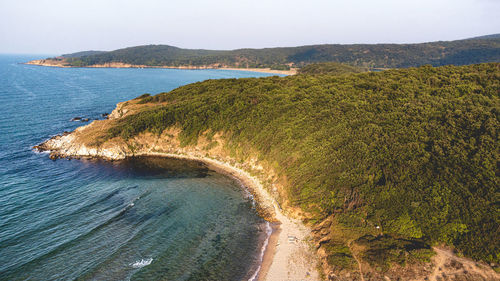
x=289, y=254
x=292, y=71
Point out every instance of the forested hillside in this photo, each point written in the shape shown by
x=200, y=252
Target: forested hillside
x=460, y=52
x=333, y=68
x=413, y=151
x=81, y=54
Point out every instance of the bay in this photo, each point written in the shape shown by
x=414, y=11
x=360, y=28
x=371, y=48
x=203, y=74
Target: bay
x=139, y=219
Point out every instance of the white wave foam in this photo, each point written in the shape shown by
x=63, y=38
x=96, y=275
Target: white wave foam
x=141, y=263
x=269, y=231
x=36, y=151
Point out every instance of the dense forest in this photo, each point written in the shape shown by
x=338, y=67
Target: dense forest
x=414, y=151
x=333, y=68
x=460, y=52
x=82, y=54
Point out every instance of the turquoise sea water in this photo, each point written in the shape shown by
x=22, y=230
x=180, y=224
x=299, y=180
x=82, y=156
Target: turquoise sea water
x=140, y=219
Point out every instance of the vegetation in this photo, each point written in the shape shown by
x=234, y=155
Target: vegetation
x=333, y=68
x=460, y=52
x=413, y=151
x=384, y=250
x=81, y=54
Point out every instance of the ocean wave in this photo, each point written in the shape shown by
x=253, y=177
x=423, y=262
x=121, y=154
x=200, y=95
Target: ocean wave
x=69, y=243
x=36, y=151
x=141, y=263
x=269, y=231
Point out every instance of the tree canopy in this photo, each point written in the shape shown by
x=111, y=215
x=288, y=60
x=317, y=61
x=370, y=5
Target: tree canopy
x=459, y=52
x=414, y=151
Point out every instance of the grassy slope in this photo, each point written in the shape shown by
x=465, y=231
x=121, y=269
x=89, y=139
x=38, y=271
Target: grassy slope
x=373, y=56
x=414, y=151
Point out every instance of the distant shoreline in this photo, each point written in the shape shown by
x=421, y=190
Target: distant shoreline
x=59, y=63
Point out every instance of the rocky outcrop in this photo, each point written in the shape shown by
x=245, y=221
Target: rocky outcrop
x=91, y=141
x=49, y=62
x=64, y=146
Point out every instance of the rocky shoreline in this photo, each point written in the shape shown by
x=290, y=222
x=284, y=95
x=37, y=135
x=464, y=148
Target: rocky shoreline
x=280, y=258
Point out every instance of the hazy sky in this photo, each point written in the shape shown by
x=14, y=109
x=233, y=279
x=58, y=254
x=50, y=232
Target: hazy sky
x=64, y=26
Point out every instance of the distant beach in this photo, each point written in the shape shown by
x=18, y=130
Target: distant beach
x=60, y=63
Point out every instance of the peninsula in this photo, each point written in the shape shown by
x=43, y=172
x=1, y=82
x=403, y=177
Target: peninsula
x=286, y=60
x=376, y=175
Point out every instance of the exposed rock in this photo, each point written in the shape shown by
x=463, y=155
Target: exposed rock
x=78, y=118
x=323, y=228
x=54, y=156
x=322, y=241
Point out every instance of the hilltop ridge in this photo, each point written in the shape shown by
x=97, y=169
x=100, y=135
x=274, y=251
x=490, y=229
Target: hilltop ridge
x=459, y=52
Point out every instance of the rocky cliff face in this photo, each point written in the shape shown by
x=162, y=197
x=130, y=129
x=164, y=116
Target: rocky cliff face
x=82, y=142
x=91, y=141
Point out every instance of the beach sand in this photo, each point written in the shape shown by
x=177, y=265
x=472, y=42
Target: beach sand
x=289, y=255
x=292, y=71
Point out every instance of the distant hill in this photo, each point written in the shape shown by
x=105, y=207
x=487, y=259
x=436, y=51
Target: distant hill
x=81, y=54
x=459, y=52
x=491, y=36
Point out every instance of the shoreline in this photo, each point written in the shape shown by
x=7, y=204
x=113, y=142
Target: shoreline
x=276, y=263
x=42, y=62
x=287, y=253
x=290, y=252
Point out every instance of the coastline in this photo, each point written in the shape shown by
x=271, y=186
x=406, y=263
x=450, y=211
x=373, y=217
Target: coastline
x=292, y=71
x=283, y=259
x=52, y=63
x=288, y=252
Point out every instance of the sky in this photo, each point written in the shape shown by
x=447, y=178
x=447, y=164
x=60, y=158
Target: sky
x=66, y=26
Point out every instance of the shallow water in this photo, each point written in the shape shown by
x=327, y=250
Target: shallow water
x=141, y=219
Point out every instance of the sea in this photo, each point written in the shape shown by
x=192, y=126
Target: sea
x=146, y=218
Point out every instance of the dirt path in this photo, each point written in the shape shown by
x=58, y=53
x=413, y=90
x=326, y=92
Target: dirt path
x=357, y=260
x=448, y=267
